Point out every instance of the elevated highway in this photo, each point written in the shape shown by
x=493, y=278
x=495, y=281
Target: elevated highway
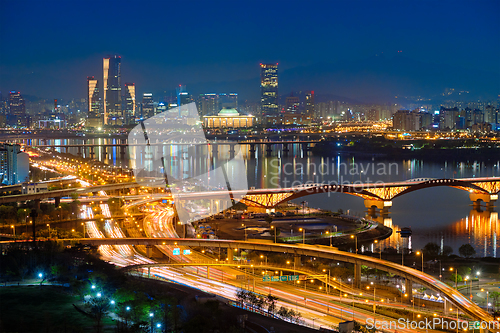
x=411, y=275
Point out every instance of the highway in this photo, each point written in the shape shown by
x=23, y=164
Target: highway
x=426, y=280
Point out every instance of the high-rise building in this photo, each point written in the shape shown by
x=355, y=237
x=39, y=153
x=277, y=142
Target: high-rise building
x=129, y=103
x=17, y=110
x=147, y=106
x=14, y=165
x=112, y=91
x=310, y=104
x=269, y=89
x=405, y=120
x=292, y=104
x=17, y=106
x=210, y=104
x=94, y=113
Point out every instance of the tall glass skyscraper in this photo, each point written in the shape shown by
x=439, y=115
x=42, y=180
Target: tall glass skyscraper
x=94, y=112
x=129, y=103
x=269, y=89
x=112, y=91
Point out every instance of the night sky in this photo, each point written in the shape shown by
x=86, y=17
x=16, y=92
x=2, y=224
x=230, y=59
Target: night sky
x=48, y=48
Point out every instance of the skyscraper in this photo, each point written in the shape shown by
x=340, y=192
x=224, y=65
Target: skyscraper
x=269, y=89
x=112, y=91
x=17, y=110
x=94, y=116
x=17, y=105
x=310, y=104
x=148, y=109
x=129, y=103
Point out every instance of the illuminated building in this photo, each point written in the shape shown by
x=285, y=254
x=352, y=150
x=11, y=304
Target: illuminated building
x=292, y=104
x=148, y=109
x=310, y=104
x=17, y=110
x=269, y=89
x=94, y=116
x=405, y=120
x=210, y=104
x=112, y=91
x=14, y=165
x=129, y=103
x=228, y=118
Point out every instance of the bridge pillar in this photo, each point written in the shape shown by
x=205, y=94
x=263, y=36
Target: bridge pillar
x=269, y=150
x=57, y=201
x=286, y=150
x=104, y=153
x=122, y=152
x=230, y=255
x=488, y=199
x=382, y=205
x=37, y=203
x=357, y=276
x=215, y=150
x=79, y=151
x=149, y=251
x=296, y=261
x=305, y=148
x=92, y=152
x=409, y=289
x=252, y=150
x=231, y=151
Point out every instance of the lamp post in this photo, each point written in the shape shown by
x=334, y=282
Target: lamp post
x=422, y=254
x=355, y=237
x=13, y=227
x=272, y=227
x=379, y=250
x=328, y=232
x=303, y=235
x=456, y=277
x=83, y=224
x=151, y=314
x=48, y=225
x=243, y=225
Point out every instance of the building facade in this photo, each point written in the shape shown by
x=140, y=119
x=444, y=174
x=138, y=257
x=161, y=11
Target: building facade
x=94, y=111
x=14, y=165
x=129, y=104
x=310, y=104
x=112, y=91
x=269, y=89
x=228, y=118
x=147, y=106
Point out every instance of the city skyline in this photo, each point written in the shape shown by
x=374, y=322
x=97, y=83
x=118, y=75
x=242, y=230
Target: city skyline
x=386, y=53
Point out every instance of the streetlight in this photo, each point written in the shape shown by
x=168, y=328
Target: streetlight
x=456, y=277
x=243, y=225
x=421, y=253
x=303, y=235
x=327, y=232
x=14, y=229
x=83, y=224
x=48, y=225
x=379, y=250
x=272, y=227
x=151, y=314
x=356, y=237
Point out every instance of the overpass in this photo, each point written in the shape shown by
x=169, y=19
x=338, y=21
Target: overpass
x=376, y=195
x=411, y=275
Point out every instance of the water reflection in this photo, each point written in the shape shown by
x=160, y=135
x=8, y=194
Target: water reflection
x=479, y=228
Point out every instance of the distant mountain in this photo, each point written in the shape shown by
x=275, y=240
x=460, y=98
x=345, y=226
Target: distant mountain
x=376, y=79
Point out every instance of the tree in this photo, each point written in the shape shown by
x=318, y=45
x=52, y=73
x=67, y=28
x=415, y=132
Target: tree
x=466, y=251
x=447, y=250
x=271, y=303
x=464, y=270
x=494, y=295
x=269, y=220
x=431, y=250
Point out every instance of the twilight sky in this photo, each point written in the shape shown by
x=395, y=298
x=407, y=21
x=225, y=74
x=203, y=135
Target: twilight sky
x=48, y=48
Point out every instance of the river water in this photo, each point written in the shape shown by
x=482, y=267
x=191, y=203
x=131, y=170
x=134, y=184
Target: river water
x=443, y=215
